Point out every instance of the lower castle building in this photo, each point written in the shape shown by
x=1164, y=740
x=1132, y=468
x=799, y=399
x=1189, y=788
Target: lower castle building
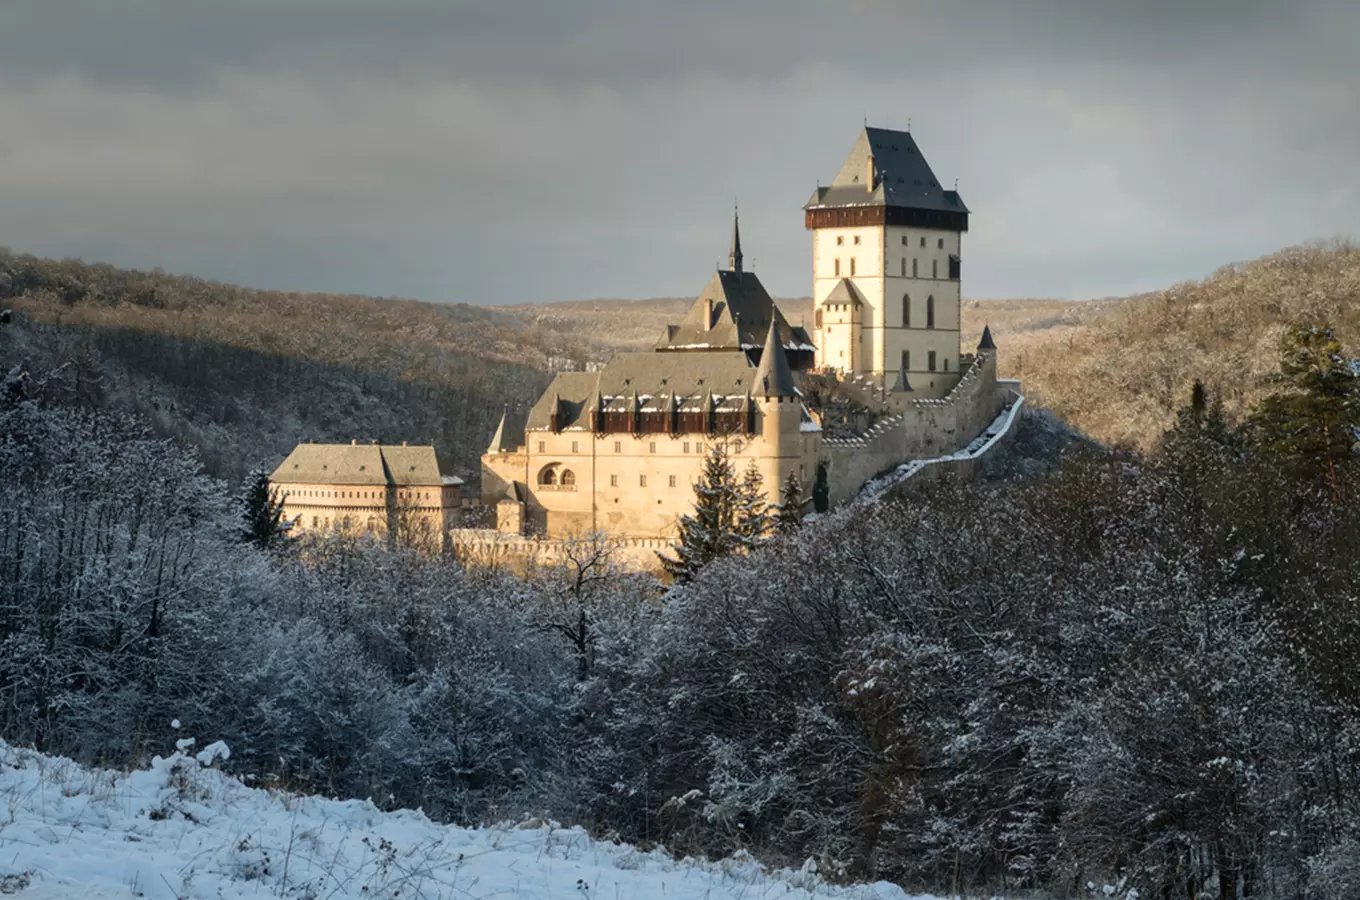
x=881, y=380
x=398, y=491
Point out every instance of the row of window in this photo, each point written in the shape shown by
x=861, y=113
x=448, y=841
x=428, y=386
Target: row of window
x=915, y=267
x=358, y=495
x=906, y=313
x=651, y=445
x=551, y=476
x=840, y=241
x=930, y=361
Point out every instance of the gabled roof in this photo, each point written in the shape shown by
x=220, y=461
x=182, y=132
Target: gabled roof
x=371, y=464
x=773, y=377
x=899, y=176
x=508, y=436
x=844, y=294
x=742, y=311
x=646, y=381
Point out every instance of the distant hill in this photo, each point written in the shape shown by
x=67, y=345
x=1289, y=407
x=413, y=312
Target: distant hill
x=1119, y=369
x=241, y=375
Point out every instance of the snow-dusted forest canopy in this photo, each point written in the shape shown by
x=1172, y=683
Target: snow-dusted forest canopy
x=1137, y=671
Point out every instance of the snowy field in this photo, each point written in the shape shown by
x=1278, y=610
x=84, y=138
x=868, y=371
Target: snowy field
x=184, y=830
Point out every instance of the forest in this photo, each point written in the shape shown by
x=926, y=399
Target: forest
x=1137, y=671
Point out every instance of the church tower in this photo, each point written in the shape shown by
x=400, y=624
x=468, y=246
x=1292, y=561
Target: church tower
x=886, y=267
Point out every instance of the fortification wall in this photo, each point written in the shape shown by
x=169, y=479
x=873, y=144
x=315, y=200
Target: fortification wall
x=925, y=429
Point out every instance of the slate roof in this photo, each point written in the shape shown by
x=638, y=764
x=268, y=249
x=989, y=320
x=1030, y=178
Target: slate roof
x=372, y=464
x=844, y=294
x=647, y=381
x=986, y=343
x=508, y=436
x=773, y=377
x=901, y=177
x=742, y=313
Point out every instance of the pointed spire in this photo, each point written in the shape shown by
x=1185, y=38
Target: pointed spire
x=734, y=255
x=498, y=439
x=986, y=343
x=773, y=377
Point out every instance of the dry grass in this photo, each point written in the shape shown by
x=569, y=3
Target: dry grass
x=1119, y=369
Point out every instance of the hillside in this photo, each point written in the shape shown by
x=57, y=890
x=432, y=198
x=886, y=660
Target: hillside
x=1119, y=369
x=242, y=375
x=181, y=830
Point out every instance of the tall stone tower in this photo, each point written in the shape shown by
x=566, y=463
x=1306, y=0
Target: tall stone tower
x=886, y=267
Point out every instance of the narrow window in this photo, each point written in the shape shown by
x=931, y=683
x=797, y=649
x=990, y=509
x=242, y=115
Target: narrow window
x=941, y=244
x=904, y=267
x=856, y=239
x=906, y=310
x=672, y=481
x=934, y=268
x=686, y=447
x=923, y=241
x=930, y=360
x=913, y=268
x=613, y=481
x=818, y=319
x=906, y=360
x=540, y=446
x=852, y=267
x=642, y=481
x=575, y=447
x=651, y=447
x=930, y=312
x=840, y=239
x=838, y=267
x=904, y=240
x=618, y=446
x=946, y=364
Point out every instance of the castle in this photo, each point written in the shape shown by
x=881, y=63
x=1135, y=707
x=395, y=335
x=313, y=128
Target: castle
x=880, y=381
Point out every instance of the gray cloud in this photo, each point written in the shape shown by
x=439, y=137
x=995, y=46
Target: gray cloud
x=538, y=150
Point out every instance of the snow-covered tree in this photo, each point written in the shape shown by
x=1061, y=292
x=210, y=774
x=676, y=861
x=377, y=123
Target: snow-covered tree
x=710, y=532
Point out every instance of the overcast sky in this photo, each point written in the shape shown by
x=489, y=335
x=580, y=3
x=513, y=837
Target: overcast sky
x=536, y=150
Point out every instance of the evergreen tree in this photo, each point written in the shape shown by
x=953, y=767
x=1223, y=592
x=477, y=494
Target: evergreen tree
x=790, y=512
x=262, y=511
x=752, y=521
x=1312, y=420
x=821, y=490
x=711, y=531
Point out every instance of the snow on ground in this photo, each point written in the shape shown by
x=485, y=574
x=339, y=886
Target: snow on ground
x=181, y=830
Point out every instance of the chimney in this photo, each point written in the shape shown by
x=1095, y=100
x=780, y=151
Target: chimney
x=708, y=313
x=403, y=443
x=869, y=175
x=353, y=443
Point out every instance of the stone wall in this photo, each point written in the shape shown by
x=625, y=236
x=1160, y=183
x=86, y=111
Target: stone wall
x=925, y=429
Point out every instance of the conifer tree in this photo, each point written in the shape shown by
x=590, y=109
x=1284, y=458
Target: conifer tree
x=752, y=521
x=790, y=512
x=1312, y=420
x=262, y=511
x=821, y=490
x=710, y=532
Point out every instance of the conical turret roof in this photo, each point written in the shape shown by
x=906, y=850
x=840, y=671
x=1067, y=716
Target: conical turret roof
x=986, y=343
x=773, y=376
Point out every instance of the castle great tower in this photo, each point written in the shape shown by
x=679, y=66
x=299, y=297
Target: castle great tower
x=886, y=267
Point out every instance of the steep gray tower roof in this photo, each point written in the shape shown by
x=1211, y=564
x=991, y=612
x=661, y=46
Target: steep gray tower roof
x=734, y=255
x=885, y=170
x=986, y=343
x=507, y=438
x=773, y=376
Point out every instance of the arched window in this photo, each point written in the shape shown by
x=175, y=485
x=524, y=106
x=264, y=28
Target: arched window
x=930, y=312
x=548, y=475
x=906, y=310
x=568, y=478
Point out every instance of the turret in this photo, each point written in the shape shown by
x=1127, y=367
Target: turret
x=734, y=255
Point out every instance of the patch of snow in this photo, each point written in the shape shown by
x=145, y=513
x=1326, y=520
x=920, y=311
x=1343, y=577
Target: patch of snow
x=181, y=830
